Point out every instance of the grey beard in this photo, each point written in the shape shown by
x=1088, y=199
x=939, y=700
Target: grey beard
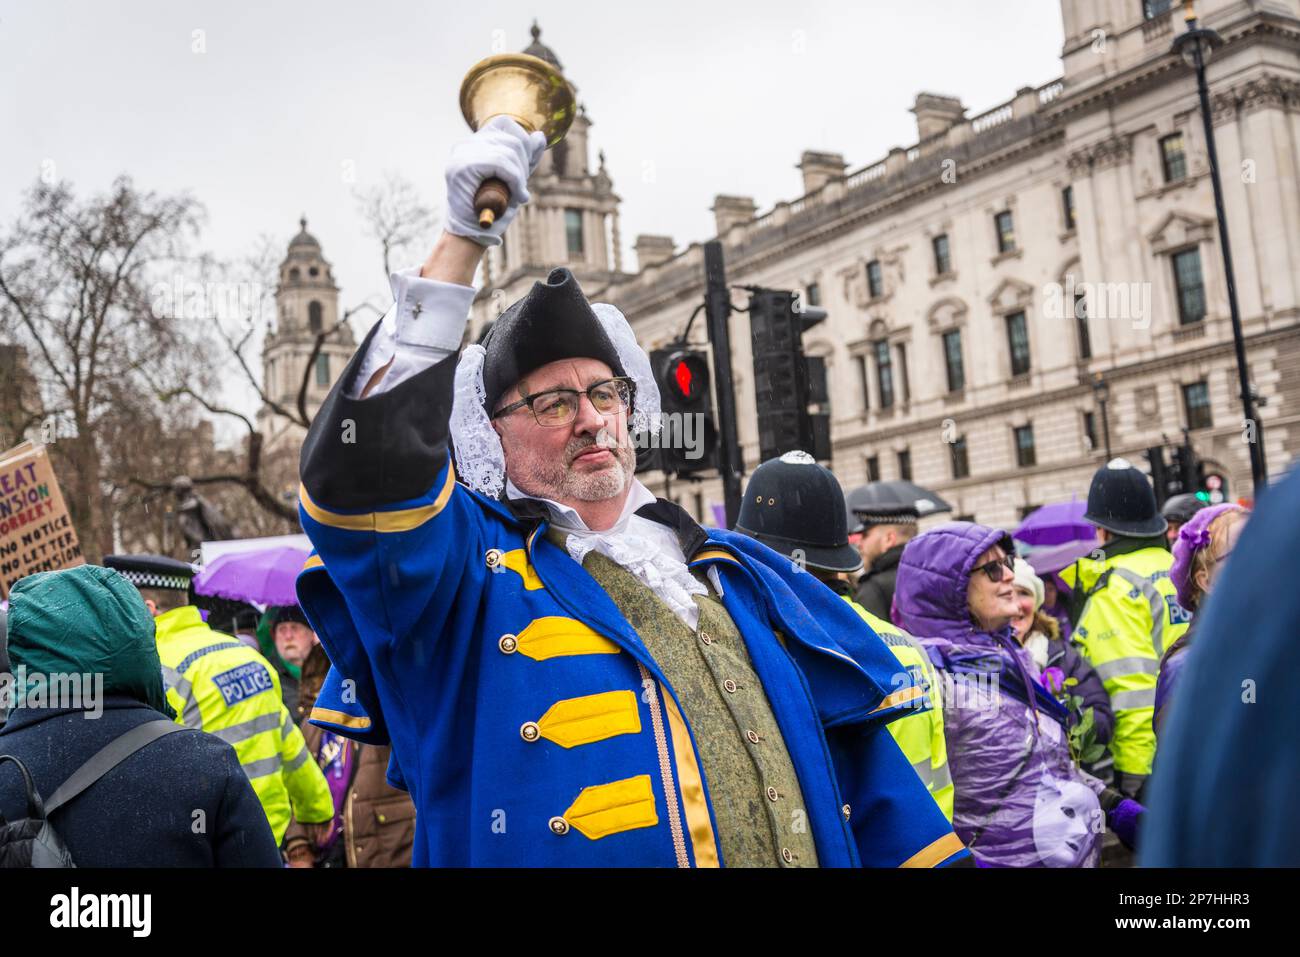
x=562, y=484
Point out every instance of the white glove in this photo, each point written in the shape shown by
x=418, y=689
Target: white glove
x=502, y=149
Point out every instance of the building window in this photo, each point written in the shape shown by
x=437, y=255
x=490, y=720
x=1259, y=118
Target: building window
x=1190, y=286
x=952, y=358
x=1155, y=8
x=1067, y=206
x=902, y=373
x=322, y=369
x=813, y=296
x=875, y=279
x=573, y=230
x=294, y=274
x=1173, y=158
x=873, y=468
x=965, y=518
x=1025, y=446
x=905, y=465
x=862, y=377
x=1018, y=340
x=960, y=461
x=1081, y=325
x=942, y=259
x=1196, y=400
x=314, y=317
x=1006, y=230
x=1090, y=429
x=884, y=375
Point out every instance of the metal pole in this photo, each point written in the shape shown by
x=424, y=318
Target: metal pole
x=1258, y=470
x=717, y=309
x=1105, y=429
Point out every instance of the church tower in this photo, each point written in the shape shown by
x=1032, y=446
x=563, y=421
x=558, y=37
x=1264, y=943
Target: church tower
x=306, y=305
x=571, y=220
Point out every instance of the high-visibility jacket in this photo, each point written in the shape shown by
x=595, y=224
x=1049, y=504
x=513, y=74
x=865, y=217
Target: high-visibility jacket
x=1130, y=615
x=919, y=736
x=220, y=685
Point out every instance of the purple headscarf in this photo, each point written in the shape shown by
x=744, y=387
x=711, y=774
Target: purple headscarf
x=1192, y=537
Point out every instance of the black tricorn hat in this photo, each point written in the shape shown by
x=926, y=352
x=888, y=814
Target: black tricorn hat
x=553, y=321
x=793, y=504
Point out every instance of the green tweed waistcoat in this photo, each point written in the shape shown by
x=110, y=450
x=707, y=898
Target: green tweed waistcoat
x=757, y=803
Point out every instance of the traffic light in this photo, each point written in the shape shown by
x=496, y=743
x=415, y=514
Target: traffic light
x=1159, y=473
x=1184, y=470
x=787, y=383
x=688, y=439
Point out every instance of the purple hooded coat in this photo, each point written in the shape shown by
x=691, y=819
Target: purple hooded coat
x=1020, y=799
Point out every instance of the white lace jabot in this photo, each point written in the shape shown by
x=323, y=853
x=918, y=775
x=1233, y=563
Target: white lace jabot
x=647, y=549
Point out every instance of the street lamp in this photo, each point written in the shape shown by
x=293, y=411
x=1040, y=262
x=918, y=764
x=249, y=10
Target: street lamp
x=1101, y=389
x=1196, y=46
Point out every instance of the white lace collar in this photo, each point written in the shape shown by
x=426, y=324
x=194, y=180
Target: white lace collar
x=645, y=548
x=566, y=518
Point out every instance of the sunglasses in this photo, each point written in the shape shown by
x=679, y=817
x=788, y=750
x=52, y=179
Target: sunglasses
x=995, y=569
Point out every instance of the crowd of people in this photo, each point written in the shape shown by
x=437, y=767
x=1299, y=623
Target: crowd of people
x=507, y=651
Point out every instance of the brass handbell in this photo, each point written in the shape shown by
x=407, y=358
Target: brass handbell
x=528, y=90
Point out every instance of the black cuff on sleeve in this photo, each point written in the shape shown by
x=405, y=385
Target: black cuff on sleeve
x=363, y=453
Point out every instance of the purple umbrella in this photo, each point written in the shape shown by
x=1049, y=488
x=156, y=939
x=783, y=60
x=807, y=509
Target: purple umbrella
x=264, y=577
x=1045, y=561
x=1056, y=524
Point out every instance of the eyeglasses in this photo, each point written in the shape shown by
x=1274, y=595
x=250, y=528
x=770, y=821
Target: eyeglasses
x=556, y=407
x=995, y=569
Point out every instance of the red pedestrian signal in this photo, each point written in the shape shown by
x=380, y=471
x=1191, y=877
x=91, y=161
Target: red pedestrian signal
x=682, y=376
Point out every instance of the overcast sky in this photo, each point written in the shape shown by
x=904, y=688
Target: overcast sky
x=292, y=106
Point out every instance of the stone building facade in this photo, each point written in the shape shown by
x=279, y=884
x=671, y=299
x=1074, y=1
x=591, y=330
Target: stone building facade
x=987, y=283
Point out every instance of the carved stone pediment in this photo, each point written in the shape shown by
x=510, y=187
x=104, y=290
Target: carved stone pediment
x=947, y=313
x=1180, y=229
x=1012, y=295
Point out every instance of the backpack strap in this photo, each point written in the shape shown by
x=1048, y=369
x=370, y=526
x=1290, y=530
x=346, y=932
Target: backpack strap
x=35, y=808
x=107, y=758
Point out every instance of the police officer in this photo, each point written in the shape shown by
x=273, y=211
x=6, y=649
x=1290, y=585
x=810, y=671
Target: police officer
x=219, y=685
x=1126, y=610
x=1178, y=511
x=796, y=507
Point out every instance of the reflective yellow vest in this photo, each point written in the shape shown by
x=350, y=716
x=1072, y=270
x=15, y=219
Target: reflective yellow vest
x=1131, y=615
x=919, y=736
x=223, y=687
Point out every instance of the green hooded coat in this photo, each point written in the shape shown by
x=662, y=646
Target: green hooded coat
x=85, y=620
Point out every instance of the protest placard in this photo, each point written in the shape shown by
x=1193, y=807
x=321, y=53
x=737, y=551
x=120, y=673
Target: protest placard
x=36, y=532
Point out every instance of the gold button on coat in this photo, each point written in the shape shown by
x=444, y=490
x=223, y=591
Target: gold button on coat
x=706, y=637
x=753, y=736
x=730, y=686
x=771, y=794
x=508, y=644
x=529, y=731
x=846, y=811
x=493, y=557
x=559, y=825
x=786, y=855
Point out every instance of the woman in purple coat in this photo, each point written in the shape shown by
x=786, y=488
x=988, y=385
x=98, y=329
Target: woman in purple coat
x=1020, y=799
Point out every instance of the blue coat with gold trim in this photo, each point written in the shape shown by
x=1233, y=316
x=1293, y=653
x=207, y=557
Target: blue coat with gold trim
x=527, y=719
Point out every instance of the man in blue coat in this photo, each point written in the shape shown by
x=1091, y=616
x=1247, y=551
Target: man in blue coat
x=571, y=672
